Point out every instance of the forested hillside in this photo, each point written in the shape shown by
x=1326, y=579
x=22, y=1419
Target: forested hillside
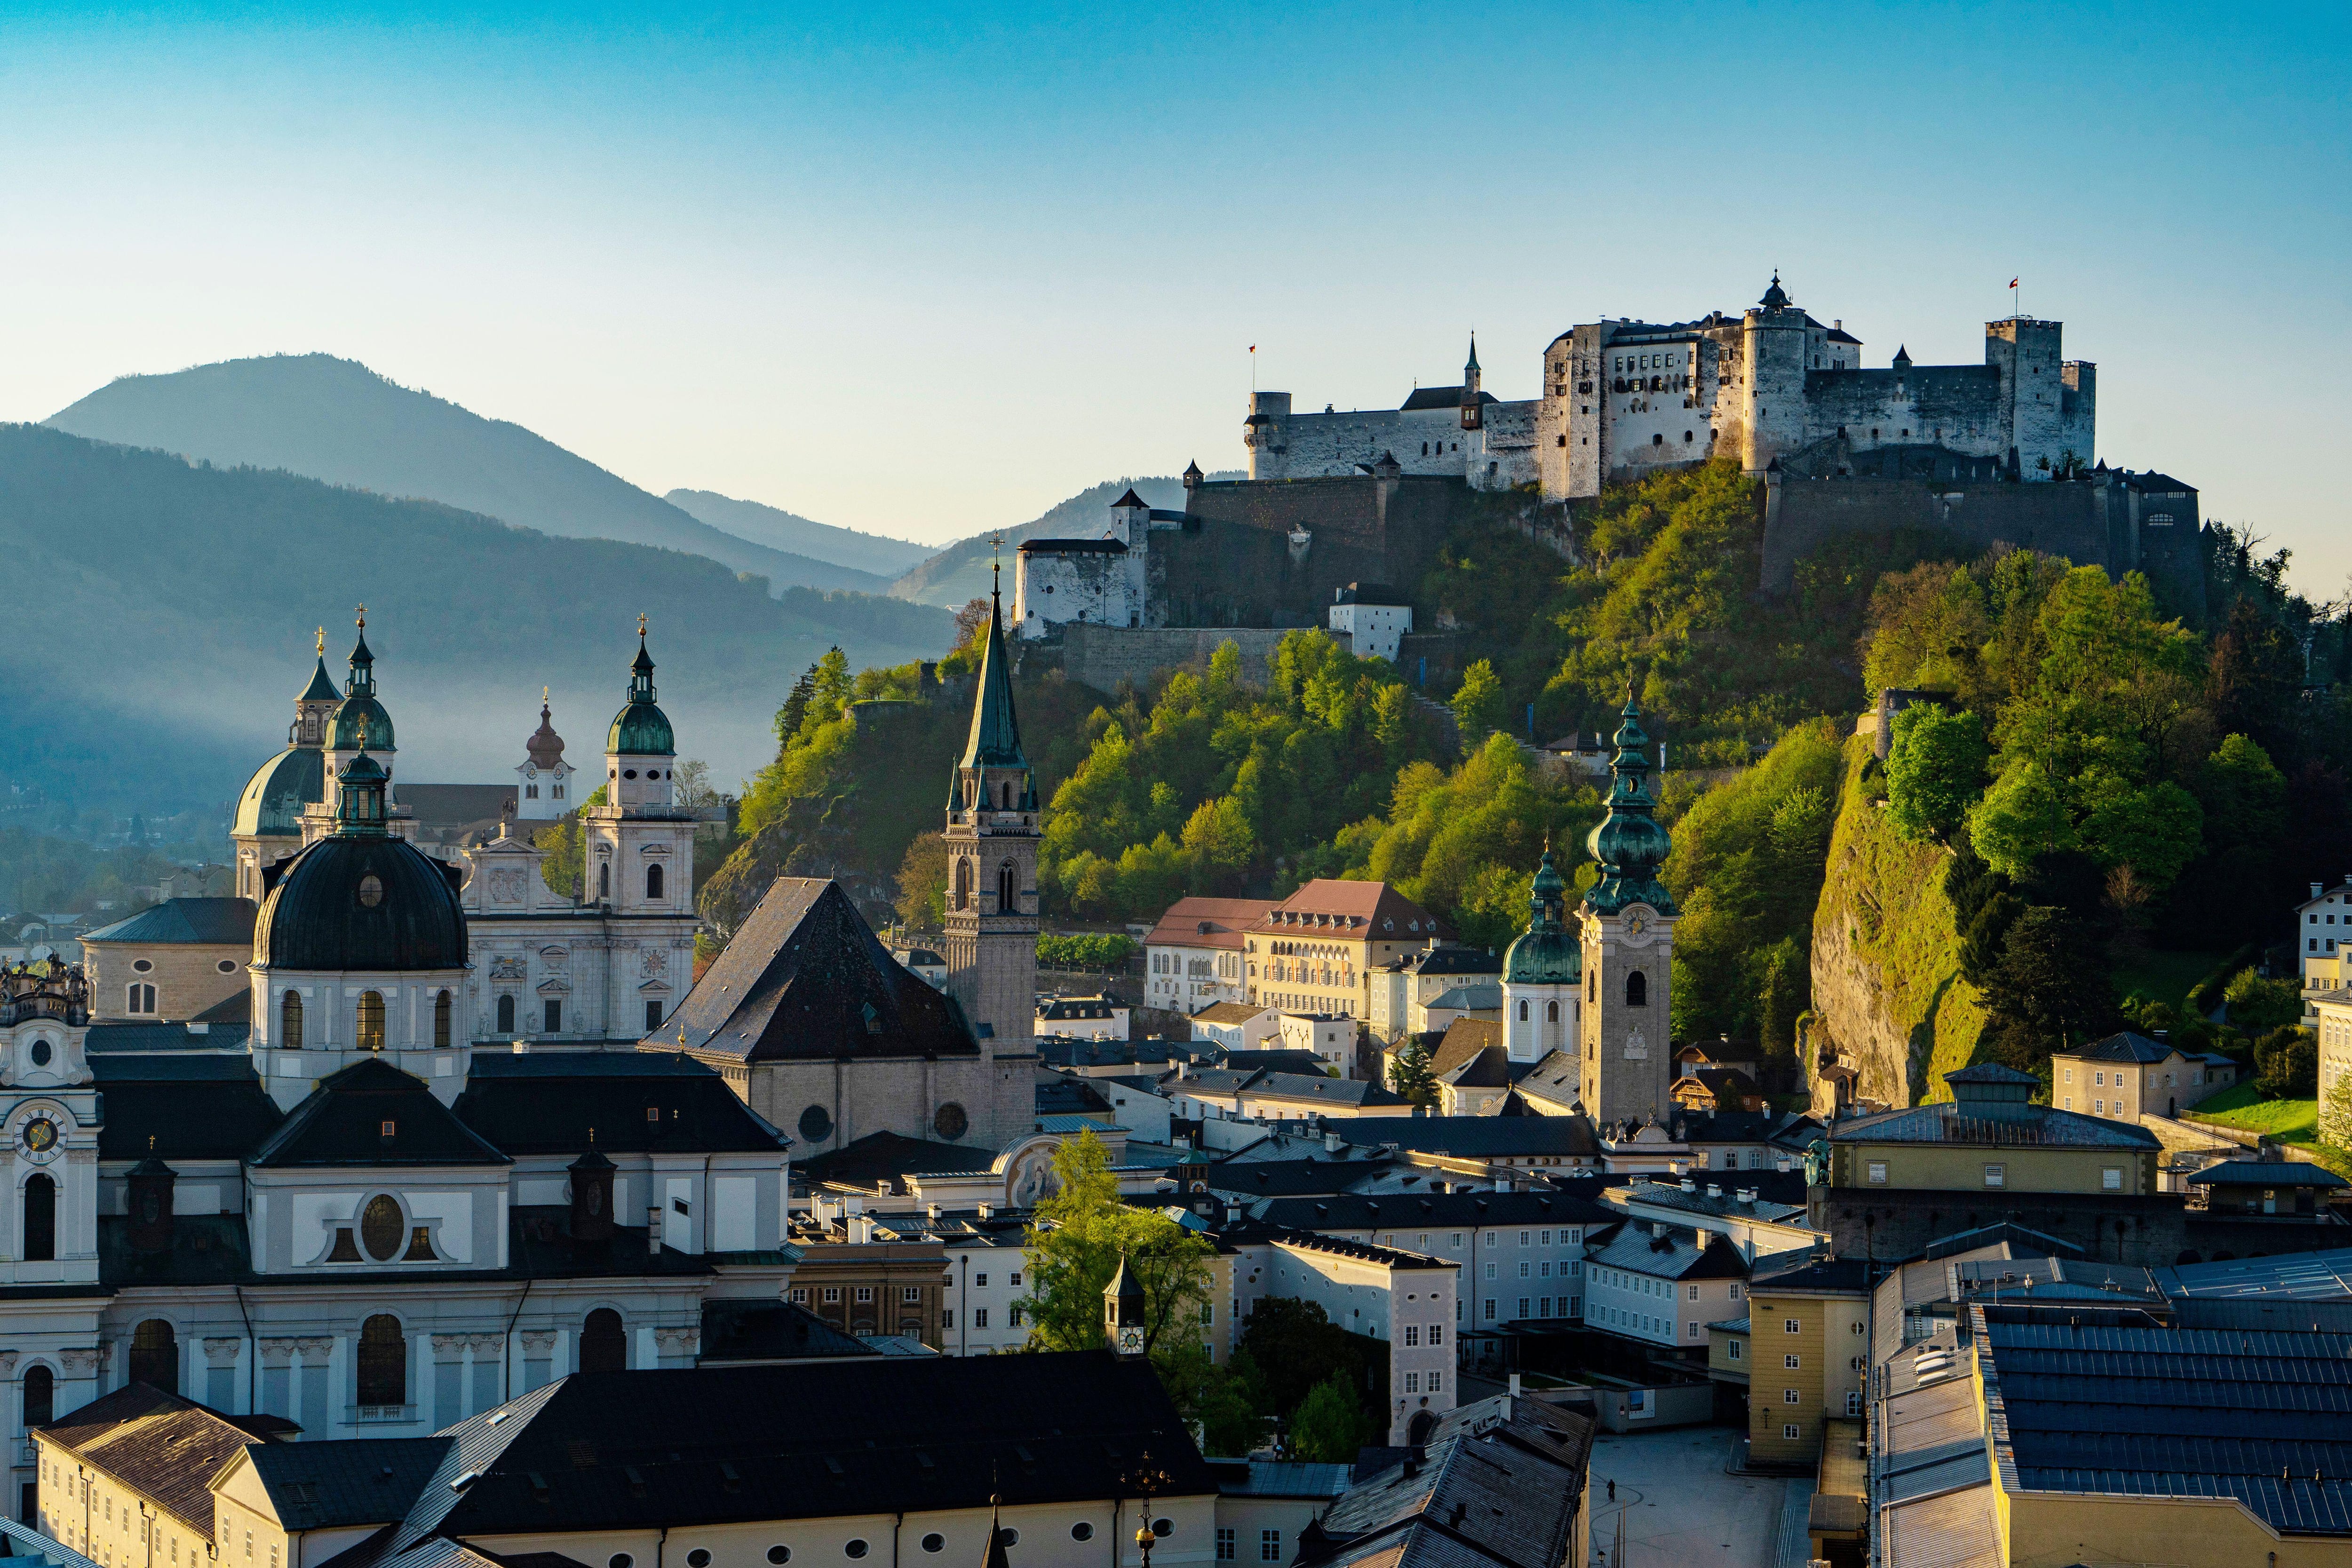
x=163, y=617
x=338, y=421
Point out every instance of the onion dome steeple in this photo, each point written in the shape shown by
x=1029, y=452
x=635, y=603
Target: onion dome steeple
x=1775, y=297
x=545, y=747
x=1629, y=842
x=1547, y=952
x=359, y=713
x=641, y=729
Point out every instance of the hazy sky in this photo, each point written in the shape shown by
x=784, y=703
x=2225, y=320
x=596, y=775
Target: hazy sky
x=926, y=270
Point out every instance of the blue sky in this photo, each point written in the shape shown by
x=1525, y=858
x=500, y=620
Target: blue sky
x=925, y=270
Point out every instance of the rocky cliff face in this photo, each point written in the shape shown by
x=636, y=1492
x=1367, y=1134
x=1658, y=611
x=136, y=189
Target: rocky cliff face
x=1888, y=994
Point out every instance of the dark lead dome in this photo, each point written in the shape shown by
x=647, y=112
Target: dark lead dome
x=372, y=904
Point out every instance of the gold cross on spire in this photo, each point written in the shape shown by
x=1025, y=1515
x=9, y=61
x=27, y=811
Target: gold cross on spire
x=996, y=563
x=363, y=615
x=641, y=626
x=322, y=642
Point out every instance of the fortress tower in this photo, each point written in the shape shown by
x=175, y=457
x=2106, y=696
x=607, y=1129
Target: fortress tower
x=991, y=840
x=1628, y=929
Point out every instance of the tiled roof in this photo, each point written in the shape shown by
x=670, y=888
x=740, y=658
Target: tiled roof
x=183, y=1108
x=1307, y=1088
x=2125, y=1047
x=1362, y=1251
x=1475, y=1137
x=1350, y=910
x=741, y=1331
x=1207, y=923
x=2268, y=1174
x=1403, y=1210
x=1464, y=1039
x=1680, y=1254
x=1230, y=1013
x=880, y=1156
x=163, y=1446
x=1501, y=1484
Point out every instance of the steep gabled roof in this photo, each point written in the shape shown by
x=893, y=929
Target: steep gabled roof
x=163, y=1446
x=805, y=980
x=334, y=1486
x=342, y=1123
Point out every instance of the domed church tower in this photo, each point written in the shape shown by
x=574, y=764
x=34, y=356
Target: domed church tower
x=640, y=871
x=268, y=822
x=991, y=840
x=358, y=715
x=543, y=779
x=1628, y=930
x=359, y=951
x=1543, y=974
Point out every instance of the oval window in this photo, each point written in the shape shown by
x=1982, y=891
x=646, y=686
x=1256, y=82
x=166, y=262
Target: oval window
x=1164, y=1528
x=41, y=1053
x=698, y=1558
x=370, y=890
x=142, y=965
x=780, y=1555
x=854, y=1548
x=935, y=1541
x=628, y=773
x=227, y=966
x=1082, y=1530
x=380, y=1227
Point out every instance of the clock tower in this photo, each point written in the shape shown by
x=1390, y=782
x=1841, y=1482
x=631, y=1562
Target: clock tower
x=1123, y=1313
x=1627, y=928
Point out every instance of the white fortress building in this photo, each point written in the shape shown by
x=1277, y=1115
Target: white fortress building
x=1620, y=398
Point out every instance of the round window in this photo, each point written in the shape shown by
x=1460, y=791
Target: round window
x=935, y=1541
x=1082, y=1530
x=816, y=1124
x=142, y=965
x=854, y=1548
x=620, y=1560
x=380, y=1227
x=951, y=1123
x=698, y=1558
x=628, y=773
x=780, y=1555
x=1164, y=1528
x=1009, y=1536
x=370, y=890
x=227, y=966
x=41, y=1053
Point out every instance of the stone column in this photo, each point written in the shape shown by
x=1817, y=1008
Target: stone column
x=448, y=1379
x=538, y=1357
x=77, y=1381
x=677, y=1346
x=317, y=1408
x=489, y=1364
x=278, y=1377
x=220, y=1372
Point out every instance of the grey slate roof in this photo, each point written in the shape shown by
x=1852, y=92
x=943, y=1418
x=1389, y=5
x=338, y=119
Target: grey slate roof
x=2124, y=1047
x=210, y=922
x=622, y=1101
x=342, y=1122
x=1476, y=1137
x=161, y=1445
x=2267, y=1173
x=1502, y=1484
x=1680, y=1254
x=1941, y=1124
x=1401, y=1211
x=363, y=1481
x=806, y=980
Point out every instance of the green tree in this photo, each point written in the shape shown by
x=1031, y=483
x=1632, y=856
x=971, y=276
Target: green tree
x=2020, y=818
x=1935, y=770
x=2335, y=1112
x=1410, y=1076
x=1328, y=1425
x=794, y=713
x=1075, y=1242
x=2258, y=1005
x=2286, y=1063
x=1295, y=1347
x=2050, y=982
x=1479, y=702
x=923, y=883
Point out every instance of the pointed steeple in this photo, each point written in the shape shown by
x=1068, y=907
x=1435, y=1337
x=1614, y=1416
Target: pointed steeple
x=995, y=739
x=1472, y=366
x=994, y=1557
x=1903, y=358
x=361, y=683
x=321, y=688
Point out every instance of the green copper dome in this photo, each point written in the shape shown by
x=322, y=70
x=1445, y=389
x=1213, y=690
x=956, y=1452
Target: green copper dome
x=1548, y=954
x=1629, y=843
x=360, y=720
x=640, y=728
x=273, y=799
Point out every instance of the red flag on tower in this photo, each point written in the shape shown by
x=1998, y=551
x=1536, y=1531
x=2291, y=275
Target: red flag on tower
x=2012, y=282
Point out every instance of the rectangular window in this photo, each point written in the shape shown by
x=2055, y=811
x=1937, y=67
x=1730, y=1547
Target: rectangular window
x=1269, y=1546
x=947, y=1317
x=980, y=1281
x=1878, y=1173
x=1737, y=1353
x=1437, y=1334
x=1788, y=1430
x=1523, y=1306
x=1490, y=1309
x=979, y=1317
x=1523, y=1269
x=1788, y=1396
x=1523, y=1238
x=2099, y=1107
x=832, y=1293
x=865, y=1294
x=1490, y=1238
x=1690, y=1293
x=1412, y=1334
x=1225, y=1547
x=1791, y=1325
x=1738, y=1290
x=1790, y=1362
x=1490, y=1268
x=653, y=1016
x=1433, y=1381
x=1013, y=1314
x=1016, y=1278
x=1994, y=1176
x=2111, y=1178
x=1694, y=1330
x=910, y=1293
x=1412, y=1383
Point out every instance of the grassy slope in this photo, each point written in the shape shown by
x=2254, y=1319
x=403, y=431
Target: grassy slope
x=1891, y=895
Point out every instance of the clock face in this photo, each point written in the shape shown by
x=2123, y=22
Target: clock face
x=1130, y=1341
x=1636, y=922
x=40, y=1137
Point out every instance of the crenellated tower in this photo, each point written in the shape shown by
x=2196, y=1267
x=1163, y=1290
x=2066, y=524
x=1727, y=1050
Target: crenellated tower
x=1628, y=930
x=991, y=841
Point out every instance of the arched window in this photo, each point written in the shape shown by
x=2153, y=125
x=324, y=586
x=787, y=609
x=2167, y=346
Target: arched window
x=506, y=1014
x=155, y=1355
x=384, y=1361
x=41, y=1218
x=1637, y=989
x=289, y=1022
x=138, y=998
x=603, y=879
x=40, y=1396
x=964, y=884
x=1008, y=888
x=604, y=1344
x=1551, y=1013
x=1008, y=794
x=441, y=1020
x=653, y=881
x=371, y=1020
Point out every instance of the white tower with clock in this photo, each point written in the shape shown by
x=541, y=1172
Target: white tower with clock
x=1627, y=928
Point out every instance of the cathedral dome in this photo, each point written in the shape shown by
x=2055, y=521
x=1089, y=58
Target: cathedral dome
x=361, y=904
x=343, y=730
x=272, y=800
x=1547, y=952
x=640, y=728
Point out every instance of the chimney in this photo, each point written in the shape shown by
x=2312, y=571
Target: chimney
x=987, y=1211
x=653, y=1227
x=1514, y=1385
x=861, y=1229
x=1658, y=1229
x=1787, y=1164
x=2317, y=889
x=1715, y=1189
x=1333, y=1143
x=1502, y=1184
x=1689, y=1185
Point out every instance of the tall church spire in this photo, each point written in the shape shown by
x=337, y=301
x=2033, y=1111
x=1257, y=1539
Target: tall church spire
x=995, y=739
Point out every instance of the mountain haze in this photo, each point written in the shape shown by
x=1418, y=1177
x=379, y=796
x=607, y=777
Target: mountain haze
x=338, y=421
x=960, y=572
x=782, y=530
x=165, y=610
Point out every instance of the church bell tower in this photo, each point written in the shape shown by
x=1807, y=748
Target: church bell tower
x=1627, y=928
x=991, y=842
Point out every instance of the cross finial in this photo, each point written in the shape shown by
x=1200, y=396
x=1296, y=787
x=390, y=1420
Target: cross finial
x=996, y=564
x=641, y=626
x=363, y=615
x=542, y=696
x=322, y=642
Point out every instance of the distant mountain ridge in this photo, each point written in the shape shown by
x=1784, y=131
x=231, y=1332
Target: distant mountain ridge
x=158, y=656
x=338, y=421
x=960, y=572
x=782, y=530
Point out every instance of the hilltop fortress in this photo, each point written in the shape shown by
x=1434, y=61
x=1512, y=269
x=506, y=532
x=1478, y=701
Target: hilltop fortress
x=1999, y=453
